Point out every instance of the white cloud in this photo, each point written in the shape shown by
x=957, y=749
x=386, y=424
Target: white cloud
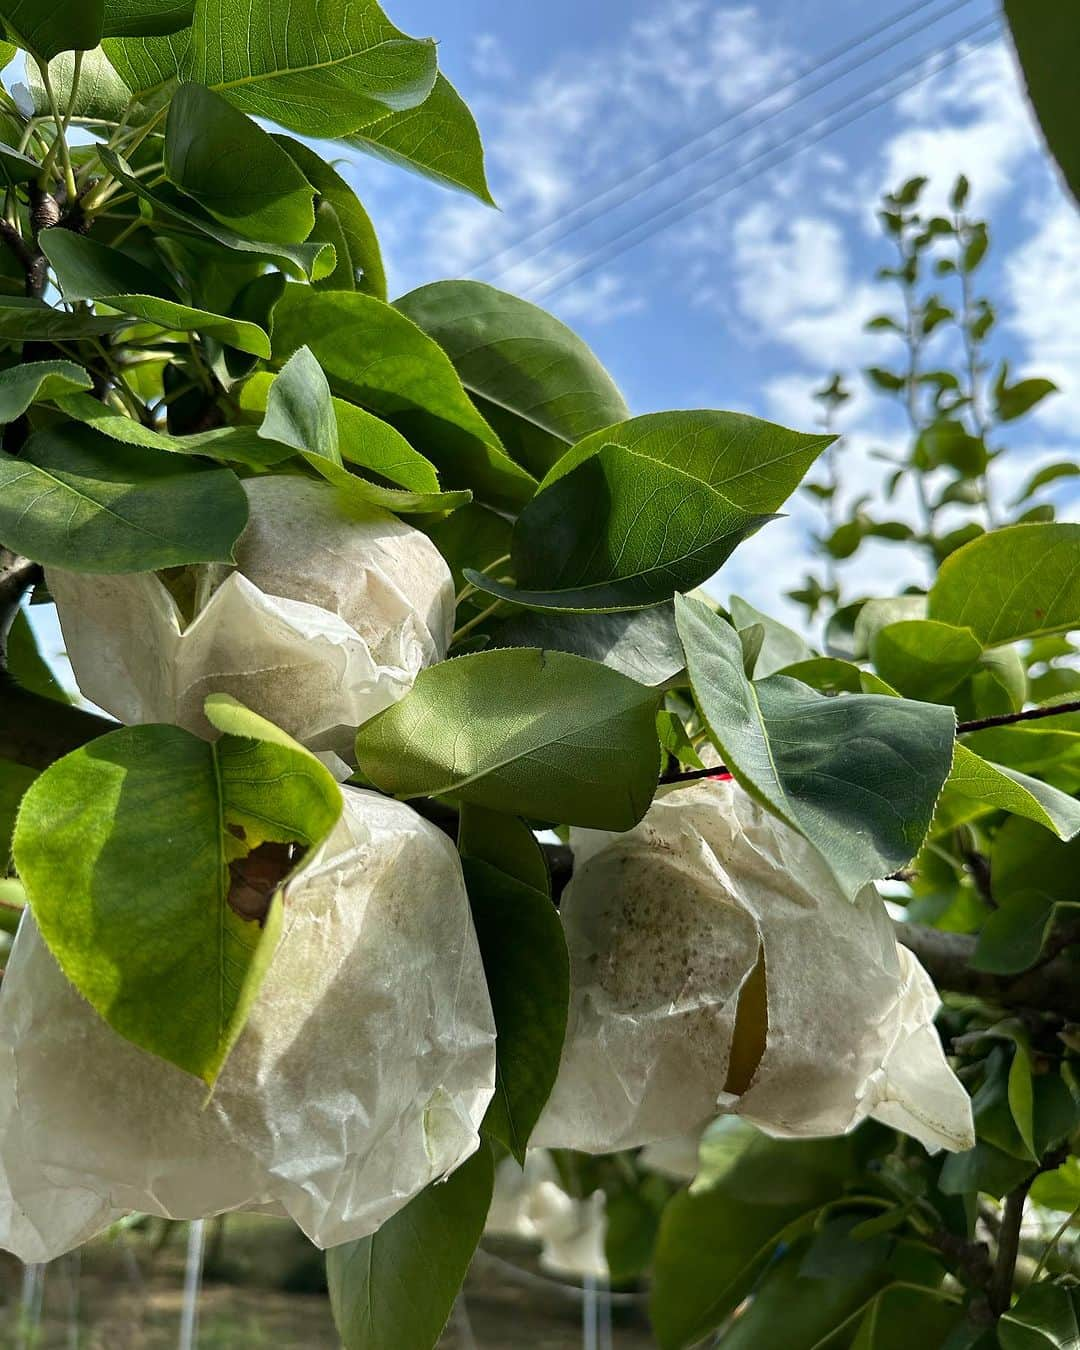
x=972, y=119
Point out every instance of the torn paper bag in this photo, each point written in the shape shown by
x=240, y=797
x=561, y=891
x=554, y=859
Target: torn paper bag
x=362, y=1074
x=716, y=966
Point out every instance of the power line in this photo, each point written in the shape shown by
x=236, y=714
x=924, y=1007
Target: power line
x=624, y=189
x=786, y=149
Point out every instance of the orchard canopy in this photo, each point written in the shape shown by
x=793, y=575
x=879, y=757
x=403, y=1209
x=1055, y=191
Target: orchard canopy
x=430, y=810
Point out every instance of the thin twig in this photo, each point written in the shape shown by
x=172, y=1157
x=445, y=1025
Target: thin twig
x=1010, y=719
x=1001, y=1282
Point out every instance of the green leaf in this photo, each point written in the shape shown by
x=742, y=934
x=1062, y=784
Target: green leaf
x=319, y=67
x=76, y=499
x=359, y=259
x=376, y=357
x=87, y=270
x=1050, y=473
x=923, y=658
x=534, y=379
x=299, y=410
x=1019, y=582
x=176, y=977
x=438, y=139
x=858, y=775
x=1046, y=1316
x=1059, y=1189
x=26, y=665
x=300, y=413
x=100, y=93
x=47, y=27
x=14, y=781
x=314, y=260
x=901, y=1317
x=148, y=65
x=983, y=1168
x=15, y=167
x=830, y=675
x=655, y=505
x=1007, y=790
x=146, y=18
x=537, y=734
x=1024, y=858
x=397, y=1287
x=619, y=532
x=672, y=735
x=505, y=843
x=640, y=643
x=363, y=440
x=23, y=320
x=528, y=975
x=37, y=382
x=234, y=169
x=781, y=646
x=1014, y=935
x=1046, y=36
x=714, y=1241
x=230, y=445
x=1014, y=400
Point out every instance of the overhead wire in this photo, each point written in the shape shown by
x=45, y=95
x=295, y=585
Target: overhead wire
x=839, y=117
x=685, y=154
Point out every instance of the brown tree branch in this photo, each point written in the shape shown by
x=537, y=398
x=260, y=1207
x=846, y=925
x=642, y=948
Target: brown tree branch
x=1051, y=988
x=1010, y=719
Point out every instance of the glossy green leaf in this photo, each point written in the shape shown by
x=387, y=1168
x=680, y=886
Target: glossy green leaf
x=299, y=410
x=537, y=734
x=47, y=27
x=234, y=169
x=1047, y=40
x=230, y=445
x=320, y=67
x=363, y=439
x=87, y=270
x=640, y=643
x=149, y=66
x=26, y=665
x=359, y=258
x=781, y=646
x=438, y=139
x=176, y=977
x=15, y=167
x=528, y=976
x=858, y=775
x=830, y=675
x=147, y=18
x=923, y=658
x=37, y=382
x=300, y=413
x=533, y=378
x=714, y=1241
x=1019, y=582
x=653, y=506
x=1001, y=788
x=312, y=260
x=1046, y=1316
x=376, y=357
x=76, y=499
x=23, y=320
x=397, y=1287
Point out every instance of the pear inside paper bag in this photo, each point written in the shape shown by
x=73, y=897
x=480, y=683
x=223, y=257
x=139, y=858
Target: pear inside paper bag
x=715, y=966
x=362, y=1075
x=328, y=617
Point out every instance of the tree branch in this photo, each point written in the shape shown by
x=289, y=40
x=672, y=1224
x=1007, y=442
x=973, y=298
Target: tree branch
x=1051, y=988
x=1010, y=719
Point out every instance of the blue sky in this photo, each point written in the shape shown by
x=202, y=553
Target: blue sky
x=749, y=302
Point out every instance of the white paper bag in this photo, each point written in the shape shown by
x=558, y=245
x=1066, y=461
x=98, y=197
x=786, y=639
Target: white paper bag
x=665, y=925
x=327, y=619
x=362, y=1075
